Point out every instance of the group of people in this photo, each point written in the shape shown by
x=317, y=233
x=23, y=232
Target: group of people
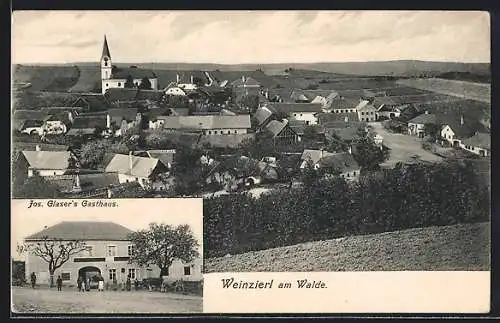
x=59, y=281
x=84, y=283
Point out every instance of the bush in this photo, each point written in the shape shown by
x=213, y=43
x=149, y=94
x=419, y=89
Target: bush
x=408, y=196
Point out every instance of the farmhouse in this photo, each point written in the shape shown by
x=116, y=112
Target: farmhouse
x=344, y=163
x=208, y=125
x=416, y=126
x=261, y=117
x=386, y=107
x=366, y=111
x=142, y=170
x=297, y=111
x=281, y=132
x=341, y=104
x=106, y=253
x=89, y=124
x=45, y=163
x=454, y=131
x=311, y=157
x=112, y=77
x=479, y=144
x=123, y=120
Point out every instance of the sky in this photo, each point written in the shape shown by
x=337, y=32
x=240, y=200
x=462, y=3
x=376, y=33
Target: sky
x=134, y=214
x=234, y=37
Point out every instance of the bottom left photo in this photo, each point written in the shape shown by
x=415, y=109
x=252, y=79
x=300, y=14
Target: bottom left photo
x=137, y=256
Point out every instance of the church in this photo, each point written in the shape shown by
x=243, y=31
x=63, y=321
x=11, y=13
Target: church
x=113, y=77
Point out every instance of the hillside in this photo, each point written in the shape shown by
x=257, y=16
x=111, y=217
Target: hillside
x=456, y=247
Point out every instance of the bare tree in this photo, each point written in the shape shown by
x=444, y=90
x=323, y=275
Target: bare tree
x=55, y=252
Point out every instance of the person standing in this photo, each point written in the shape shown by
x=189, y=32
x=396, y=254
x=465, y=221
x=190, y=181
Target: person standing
x=33, y=280
x=83, y=285
x=87, y=285
x=79, y=283
x=59, y=283
x=100, y=286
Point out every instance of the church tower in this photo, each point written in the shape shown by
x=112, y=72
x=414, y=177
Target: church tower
x=106, y=66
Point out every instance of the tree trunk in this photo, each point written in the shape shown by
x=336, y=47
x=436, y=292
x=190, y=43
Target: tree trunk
x=52, y=278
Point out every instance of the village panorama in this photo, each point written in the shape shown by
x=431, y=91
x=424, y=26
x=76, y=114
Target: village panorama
x=297, y=164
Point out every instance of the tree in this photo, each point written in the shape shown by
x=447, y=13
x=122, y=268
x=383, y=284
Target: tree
x=336, y=144
x=158, y=139
x=198, y=81
x=432, y=130
x=35, y=187
x=161, y=244
x=187, y=170
x=368, y=155
x=55, y=252
x=129, y=83
x=145, y=83
x=92, y=153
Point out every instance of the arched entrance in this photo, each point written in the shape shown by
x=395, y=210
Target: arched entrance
x=91, y=272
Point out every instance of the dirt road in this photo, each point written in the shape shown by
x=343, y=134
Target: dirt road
x=44, y=300
x=403, y=147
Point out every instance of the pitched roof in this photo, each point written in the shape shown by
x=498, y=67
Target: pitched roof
x=118, y=94
x=43, y=146
x=135, y=73
x=241, y=121
x=384, y=100
x=88, y=182
x=343, y=162
x=424, y=118
x=481, y=140
x=166, y=156
x=346, y=134
x=48, y=159
x=335, y=118
x=365, y=105
x=294, y=107
x=261, y=115
x=275, y=127
x=84, y=230
x=314, y=155
x=89, y=122
x=117, y=115
x=141, y=166
x=339, y=103
x=249, y=81
x=105, y=48
x=465, y=130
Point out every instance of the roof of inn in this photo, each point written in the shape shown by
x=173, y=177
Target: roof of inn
x=83, y=230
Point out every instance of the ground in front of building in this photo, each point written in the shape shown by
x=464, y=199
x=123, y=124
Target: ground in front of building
x=69, y=300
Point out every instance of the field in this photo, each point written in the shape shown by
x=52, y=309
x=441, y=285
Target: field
x=44, y=300
x=457, y=247
x=461, y=89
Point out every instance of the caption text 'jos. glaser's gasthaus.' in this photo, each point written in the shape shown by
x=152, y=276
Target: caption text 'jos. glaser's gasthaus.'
x=72, y=203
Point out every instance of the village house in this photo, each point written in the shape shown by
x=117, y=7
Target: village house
x=40, y=122
x=208, y=125
x=106, y=253
x=479, y=144
x=342, y=162
x=366, y=111
x=297, y=111
x=121, y=120
x=44, y=163
x=341, y=104
x=416, y=126
x=90, y=124
x=112, y=77
x=261, y=117
x=454, y=131
x=281, y=132
x=386, y=108
x=143, y=170
x=166, y=156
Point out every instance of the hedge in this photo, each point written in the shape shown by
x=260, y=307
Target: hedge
x=408, y=196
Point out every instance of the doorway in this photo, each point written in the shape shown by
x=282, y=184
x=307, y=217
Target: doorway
x=91, y=272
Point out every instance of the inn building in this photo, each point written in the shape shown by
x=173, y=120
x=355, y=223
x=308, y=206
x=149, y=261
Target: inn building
x=107, y=253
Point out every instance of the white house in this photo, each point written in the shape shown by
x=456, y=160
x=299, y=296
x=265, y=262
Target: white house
x=116, y=77
x=307, y=112
x=416, y=126
x=106, y=254
x=366, y=111
x=130, y=168
x=342, y=162
x=207, y=124
x=45, y=163
x=479, y=144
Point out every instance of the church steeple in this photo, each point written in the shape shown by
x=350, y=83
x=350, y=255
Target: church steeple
x=105, y=49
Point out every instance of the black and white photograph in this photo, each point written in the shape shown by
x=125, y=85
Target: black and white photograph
x=79, y=260
x=319, y=141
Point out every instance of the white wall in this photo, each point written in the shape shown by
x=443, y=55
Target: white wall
x=125, y=178
x=120, y=83
x=308, y=117
x=48, y=172
x=224, y=132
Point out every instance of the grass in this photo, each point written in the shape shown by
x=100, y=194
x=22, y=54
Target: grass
x=456, y=247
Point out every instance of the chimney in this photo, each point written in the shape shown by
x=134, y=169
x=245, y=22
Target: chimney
x=177, y=78
x=38, y=148
x=130, y=161
x=243, y=78
x=350, y=150
x=321, y=154
x=70, y=116
x=267, y=94
x=77, y=187
x=192, y=79
x=108, y=121
x=462, y=120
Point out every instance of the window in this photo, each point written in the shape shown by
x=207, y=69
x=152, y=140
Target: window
x=362, y=113
x=295, y=114
x=307, y=122
x=137, y=179
x=119, y=84
x=187, y=271
x=65, y=276
x=131, y=273
x=111, y=251
x=235, y=131
x=348, y=175
x=130, y=250
x=209, y=132
x=89, y=250
x=112, y=274
x=107, y=85
x=105, y=63
x=215, y=132
x=301, y=114
x=354, y=174
x=54, y=173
